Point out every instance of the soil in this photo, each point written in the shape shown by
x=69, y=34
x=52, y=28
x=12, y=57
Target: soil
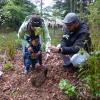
x=15, y=85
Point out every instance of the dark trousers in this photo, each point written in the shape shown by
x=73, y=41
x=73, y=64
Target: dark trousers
x=28, y=59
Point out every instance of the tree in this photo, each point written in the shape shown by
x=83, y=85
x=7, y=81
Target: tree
x=14, y=11
x=62, y=7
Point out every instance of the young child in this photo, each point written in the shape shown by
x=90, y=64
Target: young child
x=33, y=53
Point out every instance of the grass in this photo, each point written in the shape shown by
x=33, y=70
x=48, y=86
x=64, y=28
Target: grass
x=9, y=43
x=90, y=73
x=7, y=66
x=12, y=36
x=56, y=35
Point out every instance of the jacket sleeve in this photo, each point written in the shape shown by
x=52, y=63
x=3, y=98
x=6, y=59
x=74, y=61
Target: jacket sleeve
x=79, y=43
x=22, y=32
x=46, y=37
x=23, y=28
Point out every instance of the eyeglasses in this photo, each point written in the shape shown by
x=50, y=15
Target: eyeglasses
x=69, y=24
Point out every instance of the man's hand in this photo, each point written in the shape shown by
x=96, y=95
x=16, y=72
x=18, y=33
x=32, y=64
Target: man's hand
x=54, y=49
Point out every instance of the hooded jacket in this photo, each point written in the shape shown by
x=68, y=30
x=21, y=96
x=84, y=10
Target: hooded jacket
x=23, y=32
x=72, y=41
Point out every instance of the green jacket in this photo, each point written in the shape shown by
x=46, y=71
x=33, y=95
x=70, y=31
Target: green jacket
x=45, y=38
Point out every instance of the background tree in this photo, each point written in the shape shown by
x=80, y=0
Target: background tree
x=13, y=12
x=62, y=7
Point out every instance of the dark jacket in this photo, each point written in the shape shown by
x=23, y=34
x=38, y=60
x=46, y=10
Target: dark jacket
x=73, y=41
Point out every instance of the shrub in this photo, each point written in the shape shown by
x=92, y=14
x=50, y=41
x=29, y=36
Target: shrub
x=90, y=73
x=67, y=87
x=7, y=66
x=9, y=44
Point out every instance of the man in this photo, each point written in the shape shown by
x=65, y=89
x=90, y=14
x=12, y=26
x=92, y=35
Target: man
x=34, y=29
x=76, y=37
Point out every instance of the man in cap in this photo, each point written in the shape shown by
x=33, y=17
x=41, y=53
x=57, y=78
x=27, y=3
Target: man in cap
x=75, y=38
x=34, y=33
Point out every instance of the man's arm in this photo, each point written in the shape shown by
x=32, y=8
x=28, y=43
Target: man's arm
x=79, y=43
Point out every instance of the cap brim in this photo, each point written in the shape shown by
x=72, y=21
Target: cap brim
x=66, y=21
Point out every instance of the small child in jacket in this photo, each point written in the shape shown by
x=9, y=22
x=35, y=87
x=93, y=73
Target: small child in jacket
x=33, y=53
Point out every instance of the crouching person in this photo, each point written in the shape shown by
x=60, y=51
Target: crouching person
x=76, y=38
x=34, y=33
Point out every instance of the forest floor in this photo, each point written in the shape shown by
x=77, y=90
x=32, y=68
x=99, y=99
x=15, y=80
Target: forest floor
x=15, y=85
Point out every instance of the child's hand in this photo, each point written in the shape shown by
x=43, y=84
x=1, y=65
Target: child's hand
x=33, y=55
x=30, y=49
x=37, y=54
x=35, y=42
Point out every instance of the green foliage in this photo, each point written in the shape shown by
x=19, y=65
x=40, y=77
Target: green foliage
x=60, y=8
x=90, y=73
x=13, y=12
x=67, y=87
x=56, y=35
x=10, y=47
x=18, y=43
x=94, y=23
x=1, y=39
x=7, y=66
x=9, y=43
x=2, y=3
